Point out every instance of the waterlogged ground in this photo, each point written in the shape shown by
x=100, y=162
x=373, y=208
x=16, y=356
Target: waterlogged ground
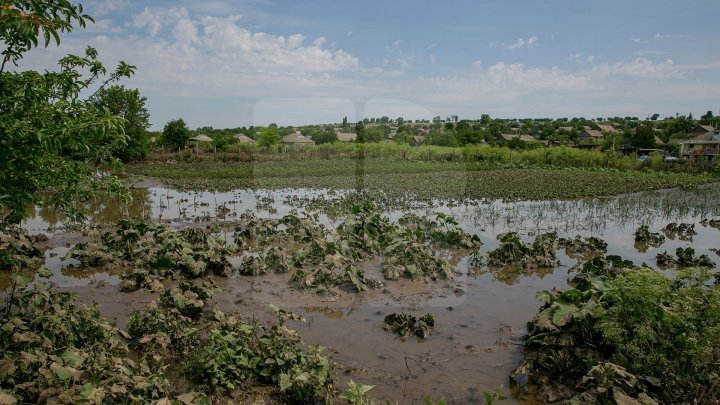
x=479, y=316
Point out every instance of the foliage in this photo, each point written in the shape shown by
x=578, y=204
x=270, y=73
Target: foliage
x=643, y=234
x=358, y=394
x=18, y=251
x=512, y=250
x=53, y=142
x=54, y=349
x=582, y=247
x=644, y=136
x=161, y=330
x=403, y=325
x=223, y=140
x=155, y=252
x=635, y=334
x=269, y=137
x=130, y=106
x=685, y=258
x=188, y=298
x=176, y=133
x=237, y=353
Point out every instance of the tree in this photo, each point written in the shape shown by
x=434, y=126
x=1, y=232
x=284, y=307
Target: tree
x=644, y=136
x=269, y=136
x=176, y=133
x=222, y=140
x=403, y=137
x=321, y=135
x=129, y=105
x=485, y=119
x=360, y=132
x=53, y=142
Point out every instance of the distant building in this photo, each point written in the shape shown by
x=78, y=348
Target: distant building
x=242, y=138
x=510, y=137
x=564, y=130
x=297, y=140
x=418, y=140
x=607, y=128
x=705, y=145
x=591, y=135
x=346, y=136
x=702, y=130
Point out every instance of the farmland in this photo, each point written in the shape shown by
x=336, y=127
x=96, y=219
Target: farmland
x=220, y=265
x=421, y=180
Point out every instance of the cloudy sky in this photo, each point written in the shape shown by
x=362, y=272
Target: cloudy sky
x=236, y=63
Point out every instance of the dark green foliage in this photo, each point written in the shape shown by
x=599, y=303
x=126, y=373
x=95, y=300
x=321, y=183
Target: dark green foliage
x=53, y=348
x=643, y=234
x=685, y=258
x=644, y=136
x=638, y=333
x=237, y=353
x=403, y=325
x=176, y=133
x=130, y=106
x=512, y=250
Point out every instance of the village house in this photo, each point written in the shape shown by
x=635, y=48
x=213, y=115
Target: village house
x=590, y=135
x=608, y=128
x=242, y=138
x=418, y=140
x=345, y=136
x=510, y=137
x=705, y=145
x=297, y=140
x=702, y=130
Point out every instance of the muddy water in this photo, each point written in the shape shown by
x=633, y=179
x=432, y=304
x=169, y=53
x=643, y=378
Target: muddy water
x=480, y=318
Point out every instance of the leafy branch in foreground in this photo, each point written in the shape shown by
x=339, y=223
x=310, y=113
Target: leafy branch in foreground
x=54, y=143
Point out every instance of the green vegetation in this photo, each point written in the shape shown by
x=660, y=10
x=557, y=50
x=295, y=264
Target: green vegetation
x=129, y=105
x=53, y=142
x=638, y=334
x=415, y=178
x=175, y=133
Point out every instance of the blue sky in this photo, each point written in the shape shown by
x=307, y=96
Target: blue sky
x=238, y=63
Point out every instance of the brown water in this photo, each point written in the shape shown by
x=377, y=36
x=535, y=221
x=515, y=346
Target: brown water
x=479, y=318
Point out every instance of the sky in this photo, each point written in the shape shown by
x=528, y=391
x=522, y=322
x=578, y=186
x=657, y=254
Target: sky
x=228, y=63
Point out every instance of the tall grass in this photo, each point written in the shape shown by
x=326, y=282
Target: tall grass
x=562, y=156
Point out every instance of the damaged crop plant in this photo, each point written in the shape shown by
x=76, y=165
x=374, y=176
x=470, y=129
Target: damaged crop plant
x=628, y=336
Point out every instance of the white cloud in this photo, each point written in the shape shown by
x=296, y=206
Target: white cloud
x=477, y=63
x=319, y=41
x=640, y=67
x=638, y=40
x=519, y=43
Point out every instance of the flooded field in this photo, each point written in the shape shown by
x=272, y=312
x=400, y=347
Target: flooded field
x=480, y=314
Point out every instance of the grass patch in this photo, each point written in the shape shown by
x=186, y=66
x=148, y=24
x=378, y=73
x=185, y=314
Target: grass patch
x=418, y=179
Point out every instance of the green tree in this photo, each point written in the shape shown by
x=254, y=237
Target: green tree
x=53, y=142
x=130, y=105
x=403, y=137
x=360, y=132
x=644, y=136
x=269, y=136
x=223, y=139
x=176, y=133
x=321, y=135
